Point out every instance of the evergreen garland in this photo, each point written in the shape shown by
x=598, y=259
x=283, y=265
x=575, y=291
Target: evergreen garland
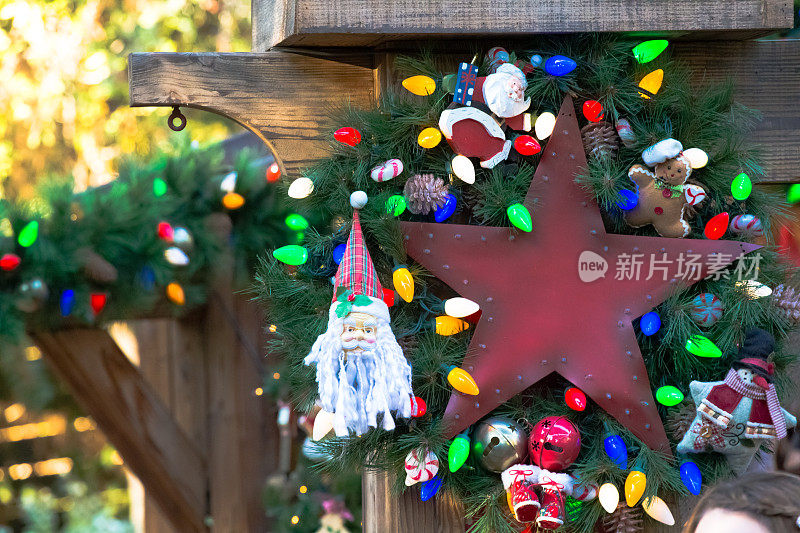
x=298, y=300
x=113, y=229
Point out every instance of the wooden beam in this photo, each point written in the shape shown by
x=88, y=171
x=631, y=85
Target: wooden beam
x=373, y=22
x=767, y=78
x=283, y=98
x=136, y=422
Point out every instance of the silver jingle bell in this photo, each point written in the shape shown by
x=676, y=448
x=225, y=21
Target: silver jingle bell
x=499, y=443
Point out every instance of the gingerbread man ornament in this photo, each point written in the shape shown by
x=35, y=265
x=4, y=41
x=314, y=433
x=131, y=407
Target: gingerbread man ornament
x=663, y=191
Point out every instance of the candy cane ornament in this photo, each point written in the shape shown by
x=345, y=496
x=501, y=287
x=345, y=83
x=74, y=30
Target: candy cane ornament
x=420, y=470
x=387, y=170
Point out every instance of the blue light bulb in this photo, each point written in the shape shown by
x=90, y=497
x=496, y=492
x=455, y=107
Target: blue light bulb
x=559, y=65
x=616, y=450
x=650, y=323
x=430, y=488
x=628, y=200
x=338, y=253
x=691, y=477
x=447, y=210
x=67, y=302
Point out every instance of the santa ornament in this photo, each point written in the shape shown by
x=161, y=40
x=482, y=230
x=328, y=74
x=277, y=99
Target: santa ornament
x=732, y=415
x=498, y=103
x=361, y=372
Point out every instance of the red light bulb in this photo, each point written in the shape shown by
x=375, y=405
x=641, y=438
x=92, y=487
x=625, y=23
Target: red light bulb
x=527, y=145
x=593, y=111
x=9, y=262
x=165, y=231
x=717, y=226
x=349, y=136
x=98, y=301
x=575, y=399
x=273, y=173
x=388, y=297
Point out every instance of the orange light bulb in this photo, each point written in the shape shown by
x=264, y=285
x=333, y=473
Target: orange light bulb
x=448, y=325
x=175, y=294
x=634, y=487
x=462, y=381
x=403, y=283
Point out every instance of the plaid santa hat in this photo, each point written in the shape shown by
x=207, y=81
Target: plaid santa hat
x=356, y=284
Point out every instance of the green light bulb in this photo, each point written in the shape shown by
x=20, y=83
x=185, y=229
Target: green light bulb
x=296, y=222
x=702, y=347
x=669, y=395
x=458, y=452
x=741, y=186
x=793, y=193
x=291, y=254
x=396, y=205
x=519, y=215
x=159, y=187
x=29, y=234
x=649, y=50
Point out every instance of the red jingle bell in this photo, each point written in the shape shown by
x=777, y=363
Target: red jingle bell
x=554, y=443
x=527, y=145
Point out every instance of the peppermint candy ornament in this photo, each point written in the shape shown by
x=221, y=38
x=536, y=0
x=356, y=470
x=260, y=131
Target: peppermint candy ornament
x=420, y=466
x=387, y=170
x=747, y=225
x=706, y=309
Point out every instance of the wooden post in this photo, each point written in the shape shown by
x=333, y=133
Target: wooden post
x=133, y=418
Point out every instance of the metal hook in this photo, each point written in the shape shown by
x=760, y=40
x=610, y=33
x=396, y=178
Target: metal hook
x=176, y=115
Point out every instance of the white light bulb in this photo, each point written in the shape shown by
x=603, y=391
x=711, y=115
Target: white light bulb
x=463, y=169
x=301, y=188
x=176, y=256
x=697, y=157
x=228, y=182
x=460, y=307
x=609, y=497
x=658, y=510
x=323, y=424
x=753, y=289
x=544, y=125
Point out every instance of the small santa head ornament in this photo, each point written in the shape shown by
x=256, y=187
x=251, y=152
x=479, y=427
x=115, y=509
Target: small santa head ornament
x=504, y=91
x=362, y=374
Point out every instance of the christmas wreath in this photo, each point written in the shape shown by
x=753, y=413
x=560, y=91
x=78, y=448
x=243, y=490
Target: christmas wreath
x=554, y=290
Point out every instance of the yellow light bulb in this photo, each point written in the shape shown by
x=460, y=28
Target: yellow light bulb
x=429, y=137
x=609, y=497
x=634, y=487
x=544, y=125
x=420, y=85
x=403, y=283
x=510, y=504
x=651, y=83
x=463, y=169
x=460, y=307
x=448, y=325
x=323, y=424
x=232, y=200
x=697, y=157
x=295, y=520
x=462, y=381
x=658, y=510
x=301, y=188
x=175, y=294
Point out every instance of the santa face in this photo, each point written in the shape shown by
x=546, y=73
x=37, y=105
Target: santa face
x=504, y=93
x=745, y=375
x=359, y=333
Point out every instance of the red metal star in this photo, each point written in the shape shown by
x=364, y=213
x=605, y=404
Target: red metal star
x=537, y=315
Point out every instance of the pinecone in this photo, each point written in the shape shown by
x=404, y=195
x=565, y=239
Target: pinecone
x=425, y=193
x=679, y=418
x=600, y=139
x=787, y=300
x=95, y=266
x=624, y=520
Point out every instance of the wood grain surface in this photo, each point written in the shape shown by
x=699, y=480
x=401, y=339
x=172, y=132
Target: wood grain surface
x=373, y=22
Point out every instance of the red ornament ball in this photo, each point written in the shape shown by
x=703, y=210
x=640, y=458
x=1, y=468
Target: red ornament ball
x=575, y=399
x=418, y=407
x=717, y=226
x=348, y=136
x=593, y=111
x=527, y=145
x=554, y=443
x=9, y=262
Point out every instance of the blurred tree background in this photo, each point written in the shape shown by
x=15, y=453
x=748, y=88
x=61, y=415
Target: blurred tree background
x=64, y=91
x=64, y=111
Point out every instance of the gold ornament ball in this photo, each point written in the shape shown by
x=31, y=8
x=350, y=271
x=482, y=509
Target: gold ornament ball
x=498, y=443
